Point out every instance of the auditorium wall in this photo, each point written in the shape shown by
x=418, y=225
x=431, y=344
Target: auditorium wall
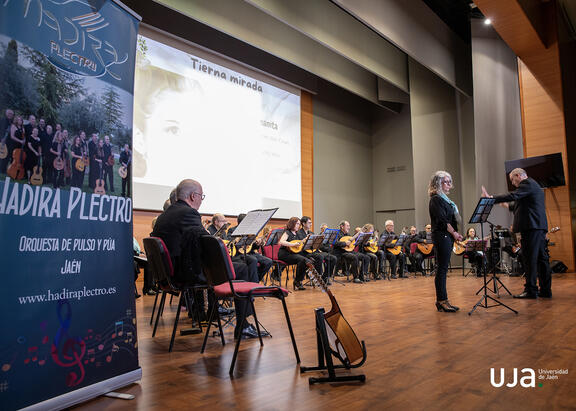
x=497, y=115
x=342, y=164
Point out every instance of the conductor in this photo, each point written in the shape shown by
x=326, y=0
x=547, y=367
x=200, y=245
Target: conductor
x=530, y=221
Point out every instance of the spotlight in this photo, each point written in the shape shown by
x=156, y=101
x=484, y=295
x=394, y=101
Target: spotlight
x=487, y=22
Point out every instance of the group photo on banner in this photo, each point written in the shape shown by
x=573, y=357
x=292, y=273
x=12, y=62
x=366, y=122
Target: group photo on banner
x=66, y=105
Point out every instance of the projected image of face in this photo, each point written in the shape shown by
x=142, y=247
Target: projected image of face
x=166, y=137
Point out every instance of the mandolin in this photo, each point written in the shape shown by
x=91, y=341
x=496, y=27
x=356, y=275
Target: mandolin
x=344, y=343
x=58, y=163
x=3, y=150
x=349, y=247
x=110, y=160
x=231, y=247
x=36, y=178
x=299, y=248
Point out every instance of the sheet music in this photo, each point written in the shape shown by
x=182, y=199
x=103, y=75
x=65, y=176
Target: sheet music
x=254, y=222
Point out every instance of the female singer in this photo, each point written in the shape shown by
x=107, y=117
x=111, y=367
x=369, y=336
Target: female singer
x=33, y=150
x=284, y=254
x=443, y=216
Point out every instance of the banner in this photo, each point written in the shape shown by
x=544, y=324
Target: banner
x=67, y=312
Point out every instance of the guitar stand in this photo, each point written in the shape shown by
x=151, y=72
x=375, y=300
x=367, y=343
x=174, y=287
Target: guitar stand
x=325, y=354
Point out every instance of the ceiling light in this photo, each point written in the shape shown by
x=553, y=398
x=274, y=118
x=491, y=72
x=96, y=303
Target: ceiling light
x=487, y=22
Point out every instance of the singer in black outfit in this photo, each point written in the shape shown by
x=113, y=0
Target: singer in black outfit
x=443, y=216
x=530, y=221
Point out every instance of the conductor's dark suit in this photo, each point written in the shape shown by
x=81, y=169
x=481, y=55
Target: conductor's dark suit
x=530, y=221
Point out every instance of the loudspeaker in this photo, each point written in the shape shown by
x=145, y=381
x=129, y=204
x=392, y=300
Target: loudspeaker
x=558, y=266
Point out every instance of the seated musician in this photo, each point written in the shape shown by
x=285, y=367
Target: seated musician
x=396, y=261
x=355, y=259
x=416, y=257
x=264, y=263
x=289, y=239
x=178, y=222
x=324, y=262
x=376, y=257
x=219, y=225
x=476, y=258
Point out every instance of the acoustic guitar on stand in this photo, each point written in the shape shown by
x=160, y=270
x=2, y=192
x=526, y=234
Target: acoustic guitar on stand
x=344, y=343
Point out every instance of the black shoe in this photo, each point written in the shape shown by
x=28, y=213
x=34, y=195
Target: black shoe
x=149, y=292
x=357, y=281
x=545, y=294
x=366, y=280
x=298, y=286
x=226, y=310
x=453, y=306
x=377, y=277
x=394, y=276
x=445, y=306
x=526, y=295
x=263, y=332
x=137, y=295
x=247, y=333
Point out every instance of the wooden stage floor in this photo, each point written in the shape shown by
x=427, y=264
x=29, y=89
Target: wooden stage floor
x=418, y=358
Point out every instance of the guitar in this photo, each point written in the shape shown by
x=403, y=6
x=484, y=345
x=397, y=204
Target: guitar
x=123, y=171
x=3, y=150
x=394, y=249
x=349, y=247
x=110, y=160
x=344, y=343
x=459, y=247
x=517, y=247
x=425, y=248
x=81, y=163
x=371, y=246
x=36, y=178
x=99, y=188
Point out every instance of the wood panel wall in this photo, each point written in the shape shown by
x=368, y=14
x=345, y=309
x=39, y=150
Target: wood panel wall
x=543, y=126
x=143, y=219
x=307, y=156
x=543, y=121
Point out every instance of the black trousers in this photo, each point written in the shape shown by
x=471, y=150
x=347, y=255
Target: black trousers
x=298, y=259
x=264, y=264
x=443, y=243
x=108, y=177
x=416, y=260
x=396, y=261
x=126, y=183
x=536, y=263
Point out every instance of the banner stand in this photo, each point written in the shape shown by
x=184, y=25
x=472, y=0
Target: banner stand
x=84, y=394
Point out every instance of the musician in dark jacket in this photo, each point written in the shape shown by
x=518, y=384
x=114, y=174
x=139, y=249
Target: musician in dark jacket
x=176, y=223
x=355, y=259
x=530, y=221
x=444, y=217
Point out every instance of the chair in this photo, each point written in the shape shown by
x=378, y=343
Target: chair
x=271, y=251
x=163, y=271
x=219, y=272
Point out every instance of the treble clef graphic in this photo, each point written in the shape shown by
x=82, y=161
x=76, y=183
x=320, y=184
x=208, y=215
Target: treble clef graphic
x=68, y=351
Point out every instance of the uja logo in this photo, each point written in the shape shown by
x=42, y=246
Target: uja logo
x=528, y=379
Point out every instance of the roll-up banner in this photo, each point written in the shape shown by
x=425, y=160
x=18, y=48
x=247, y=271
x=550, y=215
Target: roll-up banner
x=67, y=311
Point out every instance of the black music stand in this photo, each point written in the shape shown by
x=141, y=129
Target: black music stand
x=494, y=261
x=313, y=241
x=330, y=237
x=480, y=216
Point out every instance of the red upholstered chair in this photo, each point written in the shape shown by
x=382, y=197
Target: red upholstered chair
x=219, y=272
x=271, y=251
x=163, y=272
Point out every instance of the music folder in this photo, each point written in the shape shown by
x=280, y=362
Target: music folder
x=313, y=242
x=362, y=238
x=330, y=236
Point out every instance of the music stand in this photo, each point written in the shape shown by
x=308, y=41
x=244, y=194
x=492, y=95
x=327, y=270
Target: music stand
x=362, y=239
x=330, y=237
x=480, y=216
x=313, y=242
x=383, y=239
